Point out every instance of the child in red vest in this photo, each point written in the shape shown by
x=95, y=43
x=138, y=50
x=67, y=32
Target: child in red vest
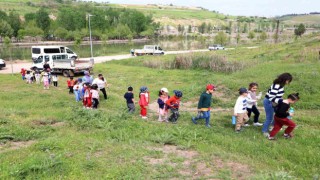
x=144, y=101
x=70, y=83
x=173, y=104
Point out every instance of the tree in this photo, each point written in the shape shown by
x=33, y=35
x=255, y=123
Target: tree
x=220, y=38
x=202, y=28
x=251, y=35
x=5, y=29
x=29, y=17
x=189, y=29
x=263, y=36
x=61, y=33
x=43, y=20
x=238, y=38
x=300, y=30
x=14, y=21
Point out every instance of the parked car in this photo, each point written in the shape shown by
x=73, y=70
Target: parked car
x=216, y=47
x=149, y=50
x=2, y=63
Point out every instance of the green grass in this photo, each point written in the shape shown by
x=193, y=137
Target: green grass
x=110, y=144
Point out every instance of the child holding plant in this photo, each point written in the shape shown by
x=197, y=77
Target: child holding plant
x=281, y=117
x=163, y=110
x=144, y=101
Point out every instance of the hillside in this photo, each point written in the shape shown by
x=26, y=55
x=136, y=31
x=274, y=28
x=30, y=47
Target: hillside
x=312, y=19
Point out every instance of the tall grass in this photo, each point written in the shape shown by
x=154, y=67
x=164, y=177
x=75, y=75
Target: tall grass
x=204, y=61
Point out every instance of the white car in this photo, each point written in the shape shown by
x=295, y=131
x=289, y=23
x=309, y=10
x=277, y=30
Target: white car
x=2, y=63
x=216, y=47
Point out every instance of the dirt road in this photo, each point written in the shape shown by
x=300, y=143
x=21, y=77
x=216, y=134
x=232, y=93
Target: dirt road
x=17, y=65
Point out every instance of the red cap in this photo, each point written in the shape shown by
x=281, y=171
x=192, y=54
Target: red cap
x=210, y=87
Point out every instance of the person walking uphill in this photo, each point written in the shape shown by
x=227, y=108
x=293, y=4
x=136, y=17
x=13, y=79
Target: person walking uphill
x=274, y=97
x=101, y=82
x=204, y=106
x=283, y=117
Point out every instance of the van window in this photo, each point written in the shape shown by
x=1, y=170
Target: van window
x=46, y=58
x=62, y=49
x=59, y=57
x=36, y=50
x=69, y=51
x=51, y=50
x=38, y=60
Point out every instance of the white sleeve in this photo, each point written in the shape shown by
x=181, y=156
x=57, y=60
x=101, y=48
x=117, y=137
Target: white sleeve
x=237, y=105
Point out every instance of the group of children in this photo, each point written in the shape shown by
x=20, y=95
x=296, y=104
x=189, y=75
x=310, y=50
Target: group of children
x=87, y=91
x=36, y=76
x=247, y=103
x=165, y=103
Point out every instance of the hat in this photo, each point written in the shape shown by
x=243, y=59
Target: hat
x=243, y=90
x=210, y=87
x=164, y=89
x=79, y=79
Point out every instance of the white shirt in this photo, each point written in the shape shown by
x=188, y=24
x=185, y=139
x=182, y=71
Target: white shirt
x=241, y=105
x=101, y=84
x=95, y=93
x=54, y=78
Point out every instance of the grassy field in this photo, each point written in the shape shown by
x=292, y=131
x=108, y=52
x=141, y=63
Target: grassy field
x=45, y=134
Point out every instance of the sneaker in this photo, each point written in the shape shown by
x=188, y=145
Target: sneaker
x=208, y=126
x=271, y=138
x=287, y=136
x=246, y=125
x=238, y=131
x=266, y=134
x=257, y=124
x=194, y=120
x=144, y=117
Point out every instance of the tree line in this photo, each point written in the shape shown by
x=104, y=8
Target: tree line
x=71, y=23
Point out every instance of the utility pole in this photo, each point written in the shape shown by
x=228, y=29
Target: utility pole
x=277, y=32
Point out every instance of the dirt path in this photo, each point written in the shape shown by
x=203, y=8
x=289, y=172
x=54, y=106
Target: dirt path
x=16, y=66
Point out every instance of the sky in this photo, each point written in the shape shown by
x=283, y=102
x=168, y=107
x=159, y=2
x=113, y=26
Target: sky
x=268, y=8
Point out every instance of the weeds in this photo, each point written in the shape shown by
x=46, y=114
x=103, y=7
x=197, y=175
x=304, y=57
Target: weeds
x=204, y=61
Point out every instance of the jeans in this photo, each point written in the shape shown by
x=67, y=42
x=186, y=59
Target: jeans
x=77, y=95
x=204, y=115
x=131, y=107
x=174, y=116
x=95, y=103
x=269, y=115
x=255, y=112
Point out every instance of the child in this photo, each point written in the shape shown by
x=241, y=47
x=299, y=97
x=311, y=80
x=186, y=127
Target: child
x=80, y=90
x=45, y=80
x=38, y=77
x=240, y=109
x=281, y=117
x=76, y=91
x=252, y=103
x=87, y=97
x=28, y=77
x=204, y=106
x=163, y=110
x=55, y=80
x=95, y=96
x=129, y=96
x=144, y=101
x=70, y=83
x=173, y=104
x=23, y=73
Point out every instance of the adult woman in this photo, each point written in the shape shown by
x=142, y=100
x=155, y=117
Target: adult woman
x=101, y=82
x=273, y=97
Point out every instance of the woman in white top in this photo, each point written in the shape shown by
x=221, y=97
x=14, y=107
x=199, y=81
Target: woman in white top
x=101, y=82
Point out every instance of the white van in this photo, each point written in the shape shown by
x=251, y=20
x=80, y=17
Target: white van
x=36, y=51
x=60, y=63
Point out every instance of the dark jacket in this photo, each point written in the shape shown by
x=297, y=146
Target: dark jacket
x=205, y=100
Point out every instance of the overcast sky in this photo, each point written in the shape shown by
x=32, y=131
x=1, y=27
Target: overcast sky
x=239, y=7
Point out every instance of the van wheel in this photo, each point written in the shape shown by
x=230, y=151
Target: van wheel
x=71, y=73
x=65, y=73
